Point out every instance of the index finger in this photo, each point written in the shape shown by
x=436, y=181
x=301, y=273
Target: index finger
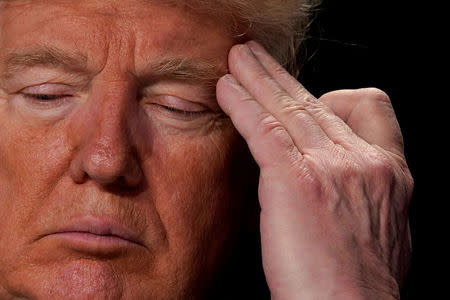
x=292, y=114
x=335, y=128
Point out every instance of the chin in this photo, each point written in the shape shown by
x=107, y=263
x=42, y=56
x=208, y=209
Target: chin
x=89, y=277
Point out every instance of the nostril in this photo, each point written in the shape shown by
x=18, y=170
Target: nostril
x=107, y=166
x=121, y=170
x=77, y=173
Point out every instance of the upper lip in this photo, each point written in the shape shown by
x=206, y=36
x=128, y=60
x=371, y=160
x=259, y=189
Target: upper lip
x=101, y=226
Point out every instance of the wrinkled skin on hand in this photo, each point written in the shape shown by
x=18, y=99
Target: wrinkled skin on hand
x=334, y=185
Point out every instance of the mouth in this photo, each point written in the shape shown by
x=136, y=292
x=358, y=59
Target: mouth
x=96, y=236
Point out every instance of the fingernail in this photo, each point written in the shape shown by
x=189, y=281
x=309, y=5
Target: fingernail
x=246, y=51
x=230, y=79
x=255, y=47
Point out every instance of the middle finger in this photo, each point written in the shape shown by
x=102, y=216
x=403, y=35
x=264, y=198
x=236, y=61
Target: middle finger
x=301, y=126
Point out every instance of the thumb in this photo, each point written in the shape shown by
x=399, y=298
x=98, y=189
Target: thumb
x=369, y=113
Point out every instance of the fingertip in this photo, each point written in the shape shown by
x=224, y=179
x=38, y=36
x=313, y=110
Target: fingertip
x=229, y=79
x=255, y=47
x=227, y=88
x=233, y=54
x=240, y=54
x=226, y=83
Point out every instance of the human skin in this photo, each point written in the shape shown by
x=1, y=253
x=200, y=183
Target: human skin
x=334, y=186
x=109, y=152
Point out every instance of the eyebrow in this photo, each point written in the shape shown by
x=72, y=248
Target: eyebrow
x=45, y=56
x=183, y=69
x=186, y=70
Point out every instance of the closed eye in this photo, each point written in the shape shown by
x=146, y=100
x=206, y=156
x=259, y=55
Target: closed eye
x=188, y=114
x=47, y=101
x=179, y=111
x=55, y=99
x=44, y=97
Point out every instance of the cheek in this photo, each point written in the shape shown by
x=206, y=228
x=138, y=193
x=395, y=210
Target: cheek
x=193, y=175
x=191, y=185
x=27, y=174
x=32, y=161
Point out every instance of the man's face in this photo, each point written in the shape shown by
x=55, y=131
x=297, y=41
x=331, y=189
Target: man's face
x=115, y=159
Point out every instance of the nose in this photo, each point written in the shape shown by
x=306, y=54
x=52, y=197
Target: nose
x=106, y=148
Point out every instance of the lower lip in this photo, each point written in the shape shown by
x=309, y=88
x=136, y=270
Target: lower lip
x=93, y=243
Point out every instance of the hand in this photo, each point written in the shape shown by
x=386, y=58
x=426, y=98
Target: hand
x=334, y=186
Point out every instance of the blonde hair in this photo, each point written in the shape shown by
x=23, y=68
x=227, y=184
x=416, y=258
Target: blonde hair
x=279, y=25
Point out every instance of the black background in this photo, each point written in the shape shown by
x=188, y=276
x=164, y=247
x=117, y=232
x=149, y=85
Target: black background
x=392, y=45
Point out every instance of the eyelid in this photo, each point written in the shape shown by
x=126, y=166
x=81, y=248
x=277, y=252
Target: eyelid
x=39, y=97
x=41, y=75
x=177, y=103
x=48, y=88
x=57, y=106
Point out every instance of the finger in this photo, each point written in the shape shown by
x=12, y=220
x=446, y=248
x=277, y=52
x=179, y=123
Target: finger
x=331, y=124
x=303, y=129
x=269, y=143
x=369, y=113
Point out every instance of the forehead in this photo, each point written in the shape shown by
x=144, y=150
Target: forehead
x=97, y=28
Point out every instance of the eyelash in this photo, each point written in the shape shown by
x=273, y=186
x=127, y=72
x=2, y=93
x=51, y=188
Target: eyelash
x=46, y=101
x=183, y=113
x=44, y=97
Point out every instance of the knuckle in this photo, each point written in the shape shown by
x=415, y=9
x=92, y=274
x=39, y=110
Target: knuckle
x=377, y=95
x=302, y=95
x=294, y=111
x=271, y=127
x=283, y=99
x=309, y=176
x=277, y=134
x=281, y=96
x=262, y=75
x=379, y=166
x=289, y=106
x=280, y=71
x=344, y=167
x=410, y=180
x=374, y=166
x=247, y=98
x=350, y=171
x=409, y=183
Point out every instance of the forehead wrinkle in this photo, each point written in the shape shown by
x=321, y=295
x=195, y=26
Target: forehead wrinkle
x=47, y=56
